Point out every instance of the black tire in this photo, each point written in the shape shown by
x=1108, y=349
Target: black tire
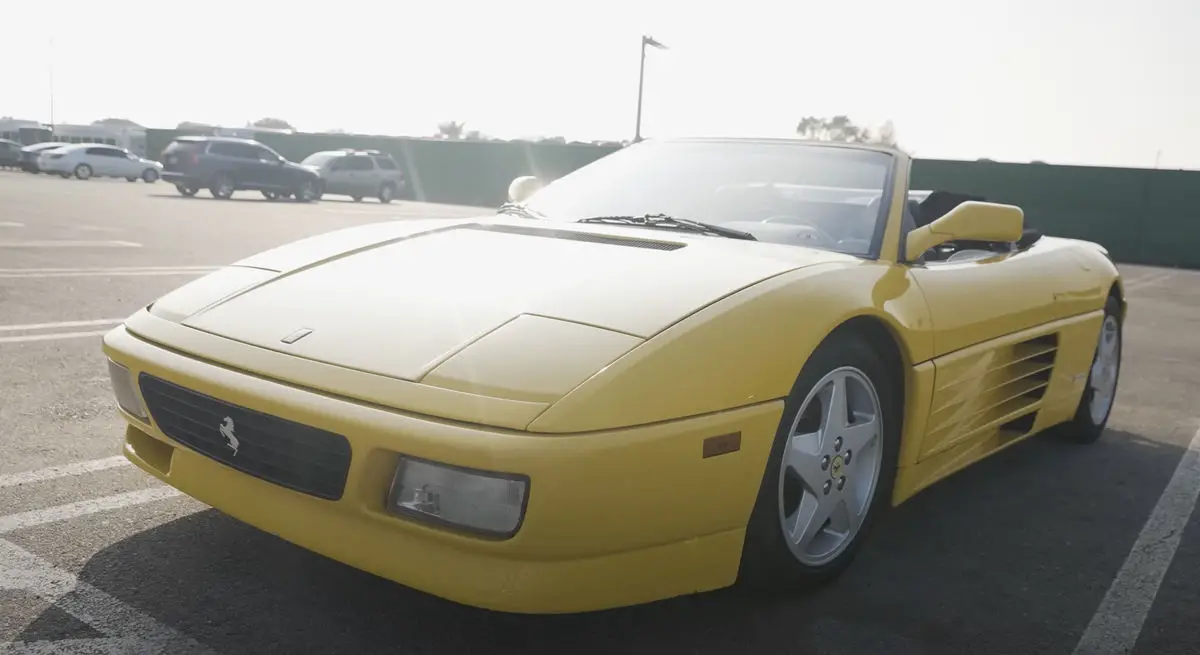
x=306, y=191
x=767, y=561
x=83, y=172
x=131, y=179
x=270, y=195
x=387, y=193
x=149, y=176
x=356, y=198
x=186, y=191
x=222, y=186
x=1083, y=428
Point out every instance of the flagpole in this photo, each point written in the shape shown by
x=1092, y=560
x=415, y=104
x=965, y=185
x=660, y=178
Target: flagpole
x=51, y=85
x=637, y=130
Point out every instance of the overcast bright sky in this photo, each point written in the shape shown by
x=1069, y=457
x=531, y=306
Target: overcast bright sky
x=1065, y=81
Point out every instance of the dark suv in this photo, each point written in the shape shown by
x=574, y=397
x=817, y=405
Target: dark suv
x=225, y=164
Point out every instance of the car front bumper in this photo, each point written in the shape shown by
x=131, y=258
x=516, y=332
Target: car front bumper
x=60, y=165
x=612, y=519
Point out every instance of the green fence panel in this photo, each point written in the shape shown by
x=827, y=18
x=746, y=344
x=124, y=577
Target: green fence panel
x=157, y=141
x=1170, y=219
x=1105, y=205
x=554, y=160
x=468, y=172
x=1141, y=216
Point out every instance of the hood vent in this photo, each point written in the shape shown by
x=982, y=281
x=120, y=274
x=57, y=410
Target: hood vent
x=571, y=235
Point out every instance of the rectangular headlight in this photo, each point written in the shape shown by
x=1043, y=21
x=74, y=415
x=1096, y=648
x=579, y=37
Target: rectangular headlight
x=124, y=390
x=490, y=504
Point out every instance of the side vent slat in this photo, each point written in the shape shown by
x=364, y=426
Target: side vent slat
x=571, y=235
x=996, y=394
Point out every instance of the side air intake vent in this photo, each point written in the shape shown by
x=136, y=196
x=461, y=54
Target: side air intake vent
x=570, y=235
x=998, y=392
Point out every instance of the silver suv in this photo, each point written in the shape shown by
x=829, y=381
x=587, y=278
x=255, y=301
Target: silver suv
x=357, y=173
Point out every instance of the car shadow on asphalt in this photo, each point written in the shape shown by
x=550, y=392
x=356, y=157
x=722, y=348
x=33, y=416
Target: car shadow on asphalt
x=335, y=201
x=201, y=198
x=1010, y=556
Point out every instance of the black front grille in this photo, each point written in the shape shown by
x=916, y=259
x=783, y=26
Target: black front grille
x=289, y=454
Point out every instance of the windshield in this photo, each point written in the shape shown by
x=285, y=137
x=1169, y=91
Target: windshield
x=782, y=192
x=318, y=159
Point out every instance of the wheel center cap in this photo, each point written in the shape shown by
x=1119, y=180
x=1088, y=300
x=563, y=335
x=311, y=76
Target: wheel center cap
x=835, y=468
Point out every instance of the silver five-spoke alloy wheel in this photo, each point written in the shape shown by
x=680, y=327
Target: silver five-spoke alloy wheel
x=1104, y=370
x=831, y=466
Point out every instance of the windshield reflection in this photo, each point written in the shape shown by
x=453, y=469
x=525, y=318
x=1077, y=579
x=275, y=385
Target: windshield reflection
x=782, y=191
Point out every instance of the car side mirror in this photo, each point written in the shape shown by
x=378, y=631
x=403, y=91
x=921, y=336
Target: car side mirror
x=522, y=188
x=970, y=221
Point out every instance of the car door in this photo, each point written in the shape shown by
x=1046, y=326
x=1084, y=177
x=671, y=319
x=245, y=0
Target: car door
x=96, y=159
x=361, y=175
x=241, y=161
x=273, y=171
x=339, y=179
x=130, y=164
x=991, y=360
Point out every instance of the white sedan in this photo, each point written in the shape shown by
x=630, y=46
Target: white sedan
x=87, y=160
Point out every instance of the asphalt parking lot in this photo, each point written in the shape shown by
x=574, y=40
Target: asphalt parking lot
x=1046, y=548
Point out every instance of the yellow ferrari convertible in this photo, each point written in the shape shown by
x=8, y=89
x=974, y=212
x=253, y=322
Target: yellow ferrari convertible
x=689, y=364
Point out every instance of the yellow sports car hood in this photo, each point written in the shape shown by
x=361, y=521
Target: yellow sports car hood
x=401, y=299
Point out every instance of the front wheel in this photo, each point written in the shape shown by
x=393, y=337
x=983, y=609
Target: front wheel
x=222, y=186
x=149, y=176
x=831, y=468
x=306, y=192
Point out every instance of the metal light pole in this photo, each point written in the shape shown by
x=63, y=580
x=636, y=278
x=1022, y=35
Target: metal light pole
x=51, y=85
x=646, y=41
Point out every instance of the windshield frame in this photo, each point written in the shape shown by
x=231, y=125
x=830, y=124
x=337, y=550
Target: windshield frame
x=886, y=189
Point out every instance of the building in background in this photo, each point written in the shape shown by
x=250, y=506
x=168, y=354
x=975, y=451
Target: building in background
x=31, y=132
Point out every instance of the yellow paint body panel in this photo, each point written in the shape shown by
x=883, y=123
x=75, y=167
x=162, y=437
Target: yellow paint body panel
x=613, y=518
x=597, y=366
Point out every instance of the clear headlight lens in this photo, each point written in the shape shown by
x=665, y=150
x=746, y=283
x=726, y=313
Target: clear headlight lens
x=124, y=389
x=490, y=504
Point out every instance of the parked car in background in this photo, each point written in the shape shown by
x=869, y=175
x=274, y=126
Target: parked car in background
x=358, y=173
x=88, y=160
x=29, y=155
x=224, y=165
x=10, y=154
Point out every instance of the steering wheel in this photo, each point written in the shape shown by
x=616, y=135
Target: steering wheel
x=799, y=222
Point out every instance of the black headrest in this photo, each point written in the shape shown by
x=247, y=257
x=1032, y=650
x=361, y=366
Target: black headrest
x=939, y=203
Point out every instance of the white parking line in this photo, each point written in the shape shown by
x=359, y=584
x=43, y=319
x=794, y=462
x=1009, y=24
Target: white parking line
x=1118, y=621
x=52, y=337
x=11, y=224
x=22, y=570
x=1148, y=281
x=24, y=327
x=69, y=244
x=23, y=520
x=62, y=471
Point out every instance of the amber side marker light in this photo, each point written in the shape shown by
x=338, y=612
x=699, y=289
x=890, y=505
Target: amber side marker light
x=722, y=444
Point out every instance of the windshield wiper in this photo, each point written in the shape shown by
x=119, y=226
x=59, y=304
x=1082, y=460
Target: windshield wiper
x=671, y=222
x=517, y=209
